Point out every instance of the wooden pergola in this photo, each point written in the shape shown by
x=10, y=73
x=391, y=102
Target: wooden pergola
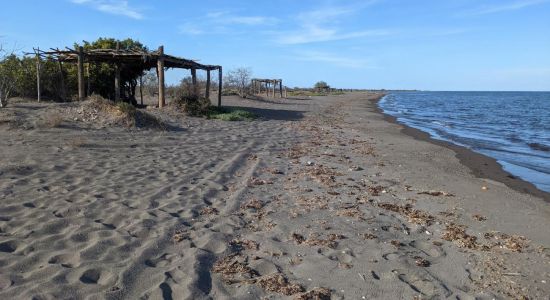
x=269, y=84
x=144, y=59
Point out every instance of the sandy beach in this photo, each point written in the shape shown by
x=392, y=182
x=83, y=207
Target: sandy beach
x=319, y=198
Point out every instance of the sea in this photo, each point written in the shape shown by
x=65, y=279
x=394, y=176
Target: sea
x=512, y=127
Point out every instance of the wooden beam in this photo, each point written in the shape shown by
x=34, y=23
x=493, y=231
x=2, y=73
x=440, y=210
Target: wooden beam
x=160, y=72
x=281, y=87
x=207, y=92
x=220, y=84
x=81, y=73
x=194, y=80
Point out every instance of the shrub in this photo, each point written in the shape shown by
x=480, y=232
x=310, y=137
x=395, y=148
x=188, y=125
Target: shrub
x=228, y=114
x=193, y=105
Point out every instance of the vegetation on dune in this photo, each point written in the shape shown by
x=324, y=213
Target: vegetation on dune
x=18, y=75
x=230, y=114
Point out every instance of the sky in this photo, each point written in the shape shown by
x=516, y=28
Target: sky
x=375, y=44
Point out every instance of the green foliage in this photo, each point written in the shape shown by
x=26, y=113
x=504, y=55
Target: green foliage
x=230, y=114
x=126, y=108
x=321, y=85
x=101, y=75
x=193, y=105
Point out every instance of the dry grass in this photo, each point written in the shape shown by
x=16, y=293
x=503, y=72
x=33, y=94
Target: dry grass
x=414, y=216
x=279, y=284
x=253, y=203
x=315, y=294
x=234, y=268
x=457, y=233
x=77, y=142
x=52, y=120
x=209, y=210
x=245, y=244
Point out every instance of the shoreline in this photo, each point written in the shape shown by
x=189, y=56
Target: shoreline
x=481, y=166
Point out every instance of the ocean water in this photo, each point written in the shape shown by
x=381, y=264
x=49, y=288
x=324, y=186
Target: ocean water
x=512, y=127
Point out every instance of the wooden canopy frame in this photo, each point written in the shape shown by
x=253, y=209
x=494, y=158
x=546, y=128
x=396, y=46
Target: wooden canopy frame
x=144, y=59
x=269, y=84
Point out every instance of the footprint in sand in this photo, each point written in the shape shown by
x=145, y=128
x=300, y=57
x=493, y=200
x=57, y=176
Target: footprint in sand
x=422, y=283
x=9, y=246
x=97, y=276
x=66, y=260
x=428, y=248
x=161, y=261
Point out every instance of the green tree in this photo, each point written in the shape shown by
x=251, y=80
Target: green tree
x=101, y=75
x=321, y=86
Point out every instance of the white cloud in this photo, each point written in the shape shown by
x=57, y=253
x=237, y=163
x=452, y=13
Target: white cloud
x=506, y=6
x=219, y=22
x=322, y=25
x=115, y=7
x=334, y=59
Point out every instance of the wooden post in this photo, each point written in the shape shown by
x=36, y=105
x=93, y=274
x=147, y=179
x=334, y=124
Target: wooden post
x=61, y=80
x=117, y=76
x=160, y=72
x=207, y=92
x=194, y=80
x=220, y=75
x=38, y=73
x=286, y=95
x=274, y=83
x=281, y=87
x=81, y=73
x=267, y=89
x=141, y=89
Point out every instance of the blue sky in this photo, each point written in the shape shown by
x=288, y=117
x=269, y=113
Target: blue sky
x=392, y=44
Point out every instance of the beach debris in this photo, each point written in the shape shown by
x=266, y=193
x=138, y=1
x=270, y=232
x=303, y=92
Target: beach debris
x=323, y=174
x=355, y=168
x=436, y=193
x=180, y=235
x=245, y=244
x=421, y=262
x=297, y=238
x=313, y=240
x=414, y=216
x=310, y=163
x=368, y=236
x=318, y=293
x=479, y=217
x=209, y=210
x=234, y=268
x=351, y=211
x=253, y=203
x=274, y=171
x=457, y=233
x=396, y=243
x=375, y=190
x=484, y=188
x=279, y=284
x=514, y=243
x=257, y=181
x=344, y=266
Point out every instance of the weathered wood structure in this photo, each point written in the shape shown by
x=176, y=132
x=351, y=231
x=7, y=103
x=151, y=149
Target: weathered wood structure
x=270, y=86
x=145, y=60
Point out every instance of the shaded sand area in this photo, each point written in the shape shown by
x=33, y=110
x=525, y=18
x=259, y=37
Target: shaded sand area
x=318, y=199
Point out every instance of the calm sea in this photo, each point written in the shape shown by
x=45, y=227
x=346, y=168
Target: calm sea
x=512, y=127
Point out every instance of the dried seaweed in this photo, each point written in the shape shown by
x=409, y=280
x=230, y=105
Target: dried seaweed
x=279, y=284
